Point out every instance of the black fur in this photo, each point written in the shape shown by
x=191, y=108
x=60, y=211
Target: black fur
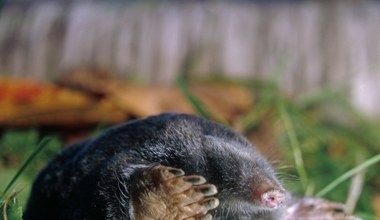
x=93, y=179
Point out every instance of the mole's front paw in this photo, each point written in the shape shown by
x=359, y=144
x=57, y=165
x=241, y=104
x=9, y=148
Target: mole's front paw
x=172, y=195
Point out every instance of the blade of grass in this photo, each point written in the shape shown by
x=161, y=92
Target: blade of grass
x=39, y=148
x=348, y=174
x=295, y=146
x=198, y=105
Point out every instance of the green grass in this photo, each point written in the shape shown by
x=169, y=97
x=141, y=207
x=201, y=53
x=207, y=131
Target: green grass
x=16, y=179
x=22, y=183
x=348, y=174
x=295, y=148
x=201, y=109
x=39, y=148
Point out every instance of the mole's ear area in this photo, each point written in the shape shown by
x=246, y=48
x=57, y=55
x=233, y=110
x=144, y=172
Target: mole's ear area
x=167, y=193
x=268, y=194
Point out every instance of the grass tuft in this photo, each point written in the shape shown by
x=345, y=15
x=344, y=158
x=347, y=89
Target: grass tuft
x=295, y=146
x=39, y=148
x=10, y=208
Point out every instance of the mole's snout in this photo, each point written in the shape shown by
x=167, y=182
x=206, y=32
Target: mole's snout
x=273, y=198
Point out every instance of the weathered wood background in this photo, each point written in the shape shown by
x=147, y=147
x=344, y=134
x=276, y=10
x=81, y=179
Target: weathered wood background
x=312, y=43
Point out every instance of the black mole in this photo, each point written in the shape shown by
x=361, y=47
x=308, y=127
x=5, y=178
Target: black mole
x=157, y=168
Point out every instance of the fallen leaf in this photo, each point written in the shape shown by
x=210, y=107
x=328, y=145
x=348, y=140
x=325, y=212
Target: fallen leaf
x=224, y=100
x=25, y=103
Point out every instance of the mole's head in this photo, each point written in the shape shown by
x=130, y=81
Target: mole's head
x=246, y=182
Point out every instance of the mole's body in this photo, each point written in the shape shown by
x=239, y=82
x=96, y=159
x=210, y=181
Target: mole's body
x=157, y=168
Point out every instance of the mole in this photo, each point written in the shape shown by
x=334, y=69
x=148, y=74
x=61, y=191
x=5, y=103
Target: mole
x=165, y=167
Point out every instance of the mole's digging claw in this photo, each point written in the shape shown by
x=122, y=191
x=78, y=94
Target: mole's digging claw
x=207, y=189
x=195, y=180
x=170, y=173
x=176, y=196
x=210, y=203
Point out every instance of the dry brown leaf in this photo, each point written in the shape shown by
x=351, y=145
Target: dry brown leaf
x=27, y=103
x=141, y=101
x=225, y=100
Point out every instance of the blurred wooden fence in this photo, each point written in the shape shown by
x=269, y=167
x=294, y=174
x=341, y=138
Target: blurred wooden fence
x=312, y=44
